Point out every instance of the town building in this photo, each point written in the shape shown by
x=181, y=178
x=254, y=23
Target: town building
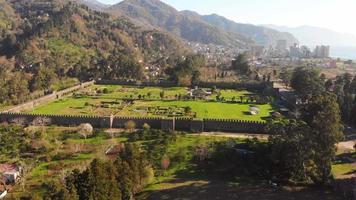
x=322, y=51
x=294, y=51
x=10, y=173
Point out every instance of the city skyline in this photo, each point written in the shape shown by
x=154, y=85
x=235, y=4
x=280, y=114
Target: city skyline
x=331, y=14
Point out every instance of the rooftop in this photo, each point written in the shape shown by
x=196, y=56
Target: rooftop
x=8, y=168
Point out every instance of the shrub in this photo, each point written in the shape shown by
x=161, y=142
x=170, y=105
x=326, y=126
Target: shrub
x=105, y=91
x=146, y=126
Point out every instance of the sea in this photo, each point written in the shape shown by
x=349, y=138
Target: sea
x=343, y=52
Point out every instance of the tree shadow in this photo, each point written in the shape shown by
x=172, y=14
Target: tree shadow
x=183, y=189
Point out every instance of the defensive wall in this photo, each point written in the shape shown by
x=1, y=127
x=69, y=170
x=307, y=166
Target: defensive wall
x=259, y=86
x=179, y=124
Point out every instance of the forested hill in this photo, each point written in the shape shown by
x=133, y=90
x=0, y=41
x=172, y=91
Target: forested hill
x=43, y=42
x=194, y=27
x=156, y=14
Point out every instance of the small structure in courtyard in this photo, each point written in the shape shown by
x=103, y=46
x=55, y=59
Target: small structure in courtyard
x=199, y=93
x=254, y=110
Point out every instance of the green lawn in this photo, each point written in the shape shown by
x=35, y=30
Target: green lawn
x=344, y=170
x=152, y=105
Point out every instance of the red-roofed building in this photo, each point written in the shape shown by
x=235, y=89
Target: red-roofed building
x=10, y=173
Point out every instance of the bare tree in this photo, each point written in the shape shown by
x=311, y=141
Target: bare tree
x=85, y=130
x=42, y=122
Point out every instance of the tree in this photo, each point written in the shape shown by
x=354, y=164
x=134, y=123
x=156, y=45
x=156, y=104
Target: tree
x=328, y=84
x=240, y=64
x=307, y=82
x=85, y=130
x=161, y=94
x=55, y=191
x=186, y=71
x=322, y=114
x=146, y=126
x=285, y=76
x=43, y=79
x=17, y=90
x=149, y=94
x=42, y=122
x=8, y=47
x=353, y=86
x=291, y=150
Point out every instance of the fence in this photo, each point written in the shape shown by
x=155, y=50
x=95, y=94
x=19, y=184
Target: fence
x=179, y=124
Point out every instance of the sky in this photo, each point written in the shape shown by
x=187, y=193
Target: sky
x=336, y=15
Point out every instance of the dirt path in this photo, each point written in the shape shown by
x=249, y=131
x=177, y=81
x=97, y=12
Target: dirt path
x=345, y=147
x=233, y=135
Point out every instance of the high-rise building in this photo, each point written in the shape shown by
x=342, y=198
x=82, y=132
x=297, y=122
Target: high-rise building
x=305, y=52
x=322, y=51
x=294, y=51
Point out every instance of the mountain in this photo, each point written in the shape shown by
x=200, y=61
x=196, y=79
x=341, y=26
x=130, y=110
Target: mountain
x=72, y=40
x=262, y=35
x=158, y=15
x=313, y=36
x=93, y=4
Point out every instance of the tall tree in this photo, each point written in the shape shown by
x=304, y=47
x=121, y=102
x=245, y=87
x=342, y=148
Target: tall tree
x=307, y=82
x=323, y=116
x=292, y=149
x=240, y=65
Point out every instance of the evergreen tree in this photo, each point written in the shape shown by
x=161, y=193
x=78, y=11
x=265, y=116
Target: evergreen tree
x=323, y=116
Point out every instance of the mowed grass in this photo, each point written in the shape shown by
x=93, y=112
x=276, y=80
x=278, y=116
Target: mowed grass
x=202, y=108
x=344, y=170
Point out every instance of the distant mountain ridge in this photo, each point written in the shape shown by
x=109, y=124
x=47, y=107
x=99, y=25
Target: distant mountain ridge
x=156, y=14
x=313, y=36
x=191, y=26
x=263, y=36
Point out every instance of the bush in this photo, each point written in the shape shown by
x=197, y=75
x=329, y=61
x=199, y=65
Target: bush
x=180, y=156
x=106, y=91
x=62, y=156
x=146, y=126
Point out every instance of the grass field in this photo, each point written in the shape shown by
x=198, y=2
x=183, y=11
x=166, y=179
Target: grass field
x=177, y=182
x=68, y=151
x=151, y=105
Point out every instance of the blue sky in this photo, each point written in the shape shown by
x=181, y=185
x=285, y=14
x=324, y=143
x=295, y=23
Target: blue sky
x=338, y=15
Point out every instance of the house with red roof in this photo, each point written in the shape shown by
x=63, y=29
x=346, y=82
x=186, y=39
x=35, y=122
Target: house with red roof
x=10, y=173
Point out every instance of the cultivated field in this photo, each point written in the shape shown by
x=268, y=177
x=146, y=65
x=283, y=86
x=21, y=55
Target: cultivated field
x=159, y=102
